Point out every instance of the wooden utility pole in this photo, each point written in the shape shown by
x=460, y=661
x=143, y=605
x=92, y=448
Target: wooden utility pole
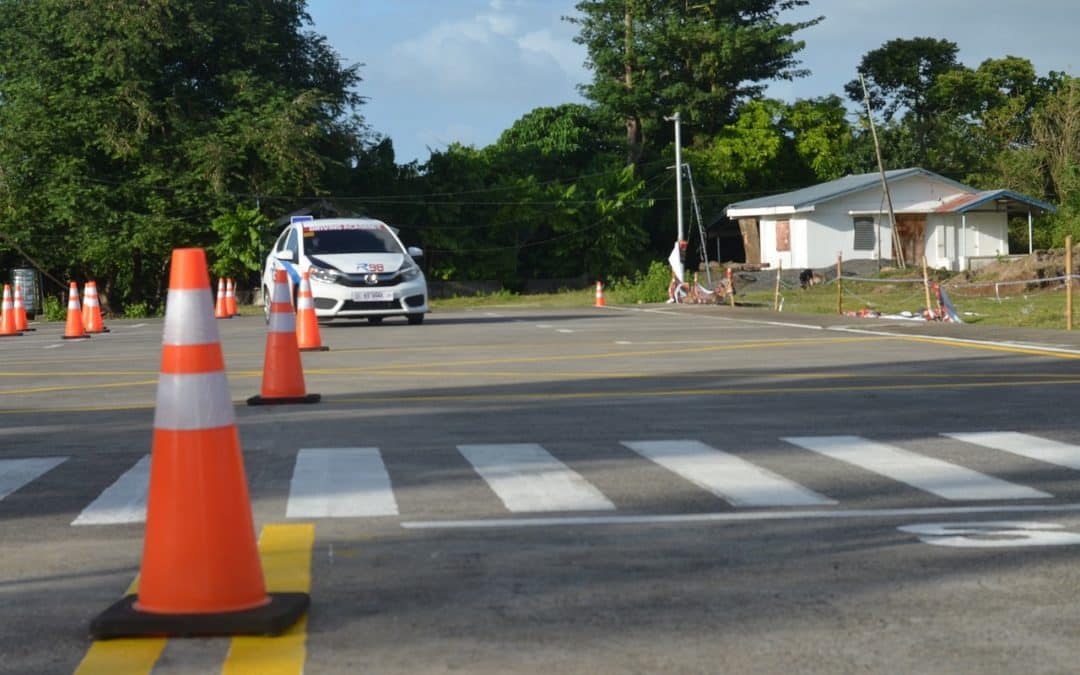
x=898, y=249
x=634, y=139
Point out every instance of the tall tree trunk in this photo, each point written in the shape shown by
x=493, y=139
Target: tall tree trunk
x=634, y=135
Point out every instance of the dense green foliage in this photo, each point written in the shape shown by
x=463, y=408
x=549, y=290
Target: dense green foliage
x=124, y=134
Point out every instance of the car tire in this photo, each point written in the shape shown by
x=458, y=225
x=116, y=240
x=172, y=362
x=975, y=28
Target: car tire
x=374, y=320
x=415, y=319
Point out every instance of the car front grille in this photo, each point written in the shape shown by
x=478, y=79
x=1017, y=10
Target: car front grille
x=354, y=306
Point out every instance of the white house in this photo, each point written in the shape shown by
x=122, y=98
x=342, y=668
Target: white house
x=946, y=221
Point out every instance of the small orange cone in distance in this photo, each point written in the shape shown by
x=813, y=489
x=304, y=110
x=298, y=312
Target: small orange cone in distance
x=7, y=317
x=92, y=309
x=230, y=297
x=307, y=324
x=599, y=294
x=220, y=310
x=200, y=573
x=75, y=328
x=283, y=374
x=21, y=323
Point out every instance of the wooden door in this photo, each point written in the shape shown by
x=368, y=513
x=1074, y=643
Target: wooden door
x=911, y=231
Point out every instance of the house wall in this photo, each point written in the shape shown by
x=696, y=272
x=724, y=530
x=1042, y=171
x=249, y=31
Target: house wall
x=818, y=236
x=987, y=234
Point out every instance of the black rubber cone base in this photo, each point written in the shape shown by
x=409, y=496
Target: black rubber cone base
x=75, y=337
x=123, y=620
x=281, y=400
x=97, y=332
x=320, y=348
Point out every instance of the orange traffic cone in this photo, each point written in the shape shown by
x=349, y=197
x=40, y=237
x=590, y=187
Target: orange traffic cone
x=307, y=324
x=75, y=328
x=230, y=297
x=283, y=374
x=599, y=294
x=21, y=323
x=7, y=317
x=220, y=309
x=92, y=309
x=201, y=573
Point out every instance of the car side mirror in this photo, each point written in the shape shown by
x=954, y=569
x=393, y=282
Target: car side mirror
x=415, y=252
x=286, y=255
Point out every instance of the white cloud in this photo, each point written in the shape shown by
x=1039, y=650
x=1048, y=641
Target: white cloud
x=487, y=57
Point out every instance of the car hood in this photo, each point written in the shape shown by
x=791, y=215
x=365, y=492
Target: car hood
x=362, y=263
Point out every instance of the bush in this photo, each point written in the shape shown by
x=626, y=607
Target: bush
x=652, y=286
x=137, y=310
x=52, y=309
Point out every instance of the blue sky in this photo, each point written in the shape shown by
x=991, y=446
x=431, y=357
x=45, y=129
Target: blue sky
x=440, y=71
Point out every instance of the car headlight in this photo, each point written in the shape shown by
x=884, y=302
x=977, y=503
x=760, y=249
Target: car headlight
x=410, y=273
x=327, y=276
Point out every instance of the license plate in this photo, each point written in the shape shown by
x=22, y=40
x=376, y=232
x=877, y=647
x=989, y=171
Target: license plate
x=372, y=296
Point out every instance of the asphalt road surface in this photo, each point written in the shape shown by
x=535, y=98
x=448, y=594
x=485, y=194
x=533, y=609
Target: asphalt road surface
x=649, y=489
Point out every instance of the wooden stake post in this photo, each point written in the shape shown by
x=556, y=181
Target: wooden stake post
x=1068, y=282
x=926, y=286
x=776, y=294
x=839, y=284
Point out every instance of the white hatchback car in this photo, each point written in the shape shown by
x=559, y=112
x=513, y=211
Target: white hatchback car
x=358, y=269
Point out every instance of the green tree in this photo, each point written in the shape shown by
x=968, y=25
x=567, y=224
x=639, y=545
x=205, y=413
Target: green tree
x=900, y=77
x=124, y=133
x=652, y=57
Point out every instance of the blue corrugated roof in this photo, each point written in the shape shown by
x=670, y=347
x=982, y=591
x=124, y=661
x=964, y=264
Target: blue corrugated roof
x=822, y=192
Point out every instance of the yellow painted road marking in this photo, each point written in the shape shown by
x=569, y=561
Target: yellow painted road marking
x=286, y=559
x=124, y=656
x=285, y=551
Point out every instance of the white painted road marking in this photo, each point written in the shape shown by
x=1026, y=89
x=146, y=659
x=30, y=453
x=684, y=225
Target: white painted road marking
x=528, y=478
x=732, y=517
x=15, y=473
x=992, y=534
x=725, y=475
x=1042, y=449
x=122, y=502
x=340, y=483
x=924, y=473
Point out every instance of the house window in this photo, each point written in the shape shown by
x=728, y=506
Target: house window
x=783, y=235
x=864, y=234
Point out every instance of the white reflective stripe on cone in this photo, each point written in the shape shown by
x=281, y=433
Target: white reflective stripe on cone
x=282, y=322
x=304, y=302
x=189, y=402
x=189, y=317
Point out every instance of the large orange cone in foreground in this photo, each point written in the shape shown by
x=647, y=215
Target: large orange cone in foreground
x=200, y=573
x=7, y=315
x=92, y=309
x=283, y=374
x=307, y=324
x=74, y=329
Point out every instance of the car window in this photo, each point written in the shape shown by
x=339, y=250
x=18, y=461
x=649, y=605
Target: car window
x=280, y=244
x=291, y=243
x=350, y=241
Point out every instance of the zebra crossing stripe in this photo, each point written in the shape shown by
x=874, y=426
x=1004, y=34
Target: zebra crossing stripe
x=15, y=473
x=731, y=478
x=935, y=476
x=340, y=483
x=122, y=502
x=528, y=478
x=1033, y=447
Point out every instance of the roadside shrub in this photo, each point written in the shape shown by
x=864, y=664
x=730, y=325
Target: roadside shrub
x=52, y=309
x=137, y=310
x=650, y=286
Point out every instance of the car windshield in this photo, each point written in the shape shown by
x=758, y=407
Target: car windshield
x=350, y=241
